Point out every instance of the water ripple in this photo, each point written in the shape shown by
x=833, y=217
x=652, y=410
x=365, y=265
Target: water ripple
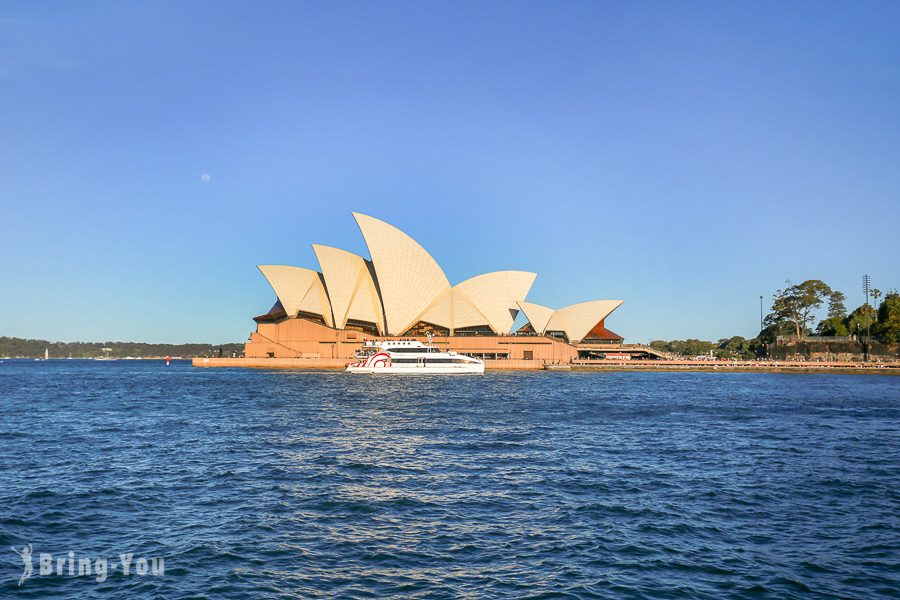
x=258, y=484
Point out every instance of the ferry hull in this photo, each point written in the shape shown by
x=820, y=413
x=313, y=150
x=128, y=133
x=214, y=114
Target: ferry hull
x=473, y=369
x=410, y=357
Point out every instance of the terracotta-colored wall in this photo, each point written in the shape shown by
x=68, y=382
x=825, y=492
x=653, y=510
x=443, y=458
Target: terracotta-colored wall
x=300, y=338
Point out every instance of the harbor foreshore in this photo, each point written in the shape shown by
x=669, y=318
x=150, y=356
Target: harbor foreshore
x=335, y=363
x=886, y=368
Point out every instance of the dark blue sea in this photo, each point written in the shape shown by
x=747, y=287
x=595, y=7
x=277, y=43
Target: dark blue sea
x=275, y=484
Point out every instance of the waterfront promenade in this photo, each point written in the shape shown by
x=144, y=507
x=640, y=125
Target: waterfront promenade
x=772, y=366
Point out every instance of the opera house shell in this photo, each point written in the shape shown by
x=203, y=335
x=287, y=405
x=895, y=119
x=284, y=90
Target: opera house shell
x=401, y=291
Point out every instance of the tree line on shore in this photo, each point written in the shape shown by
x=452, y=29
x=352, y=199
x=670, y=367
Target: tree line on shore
x=794, y=310
x=28, y=348
x=793, y=313
x=733, y=347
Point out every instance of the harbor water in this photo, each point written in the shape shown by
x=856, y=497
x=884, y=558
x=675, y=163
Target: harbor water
x=290, y=484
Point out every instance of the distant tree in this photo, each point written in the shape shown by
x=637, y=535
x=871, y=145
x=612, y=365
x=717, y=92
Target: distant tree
x=888, y=329
x=836, y=308
x=860, y=320
x=796, y=304
x=661, y=345
x=773, y=329
x=833, y=326
x=690, y=347
x=876, y=294
x=732, y=344
x=837, y=313
x=737, y=347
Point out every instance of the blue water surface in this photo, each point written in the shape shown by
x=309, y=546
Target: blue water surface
x=290, y=484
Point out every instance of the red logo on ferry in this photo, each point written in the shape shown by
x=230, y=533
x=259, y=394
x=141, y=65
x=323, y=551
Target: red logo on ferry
x=381, y=359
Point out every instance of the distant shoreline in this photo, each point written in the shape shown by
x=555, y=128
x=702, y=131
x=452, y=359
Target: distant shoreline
x=13, y=347
x=97, y=358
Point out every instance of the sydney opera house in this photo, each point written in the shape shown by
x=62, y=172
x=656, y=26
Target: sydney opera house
x=402, y=292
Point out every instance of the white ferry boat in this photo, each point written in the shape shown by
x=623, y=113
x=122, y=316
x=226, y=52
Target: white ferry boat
x=409, y=357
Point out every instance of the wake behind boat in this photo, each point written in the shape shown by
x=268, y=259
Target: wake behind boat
x=410, y=357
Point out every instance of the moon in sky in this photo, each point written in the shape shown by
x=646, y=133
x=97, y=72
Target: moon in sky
x=205, y=177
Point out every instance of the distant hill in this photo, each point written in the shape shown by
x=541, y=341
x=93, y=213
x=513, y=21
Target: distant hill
x=22, y=348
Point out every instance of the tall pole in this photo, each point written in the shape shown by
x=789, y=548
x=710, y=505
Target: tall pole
x=760, y=314
x=866, y=287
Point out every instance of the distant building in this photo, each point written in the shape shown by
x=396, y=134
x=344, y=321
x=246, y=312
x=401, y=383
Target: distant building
x=403, y=292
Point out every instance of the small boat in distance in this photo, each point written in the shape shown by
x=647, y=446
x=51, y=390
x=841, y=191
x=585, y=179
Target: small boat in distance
x=105, y=356
x=411, y=357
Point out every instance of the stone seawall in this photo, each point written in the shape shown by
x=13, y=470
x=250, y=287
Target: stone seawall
x=812, y=349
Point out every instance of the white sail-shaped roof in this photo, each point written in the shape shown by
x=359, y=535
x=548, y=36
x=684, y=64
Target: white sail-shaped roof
x=351, y=289
x=408, y=277
x=403, y=285
x=366, y=304
x=440, y=312
x=536, y=314
x=453, y=309
x=577, y=320
x=495, y=295
x=316, y=301
x=289, y=283
x=298, y=289
x=465, y=312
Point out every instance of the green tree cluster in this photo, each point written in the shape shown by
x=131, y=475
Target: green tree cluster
x=739, y=347
x=733, y=347
x=836, y=322
x=888, y=326
x=861, y=320
x=29, y=348
x=690, y=347
x=794, y=307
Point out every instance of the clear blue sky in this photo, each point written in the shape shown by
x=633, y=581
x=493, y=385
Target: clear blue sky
x=685, y=157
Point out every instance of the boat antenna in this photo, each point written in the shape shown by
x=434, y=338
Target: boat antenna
x=430, y=337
